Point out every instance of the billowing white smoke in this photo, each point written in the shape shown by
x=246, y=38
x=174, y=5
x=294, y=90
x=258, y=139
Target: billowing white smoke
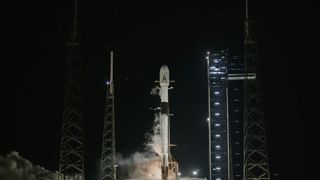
x=146, y=164
x=15, y=167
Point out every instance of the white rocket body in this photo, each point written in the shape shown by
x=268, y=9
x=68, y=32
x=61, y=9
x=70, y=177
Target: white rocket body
x=164, y=82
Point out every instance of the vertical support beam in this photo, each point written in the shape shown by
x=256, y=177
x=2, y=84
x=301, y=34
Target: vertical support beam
x=111, y=68
x=228, y=133
x=75, y=21
x=209, y=116
x=246, y=26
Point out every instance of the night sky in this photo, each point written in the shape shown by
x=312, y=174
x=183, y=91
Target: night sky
x=144, y=36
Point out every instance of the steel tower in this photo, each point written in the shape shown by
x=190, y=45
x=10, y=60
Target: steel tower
x=71, y=162
x=108, y=161
x=255, y=150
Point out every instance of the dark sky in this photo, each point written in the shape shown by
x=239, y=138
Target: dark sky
x=145, y=35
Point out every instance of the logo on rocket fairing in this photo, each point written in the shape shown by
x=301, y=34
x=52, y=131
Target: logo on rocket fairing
x=164, y=78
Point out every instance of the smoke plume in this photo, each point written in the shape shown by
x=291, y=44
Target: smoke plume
x=15, y=167
x=155, y=90
x=145, y=164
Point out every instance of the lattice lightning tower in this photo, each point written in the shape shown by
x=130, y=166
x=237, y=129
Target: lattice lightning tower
x=108, y=161
x=71, y=162
x=255, y=150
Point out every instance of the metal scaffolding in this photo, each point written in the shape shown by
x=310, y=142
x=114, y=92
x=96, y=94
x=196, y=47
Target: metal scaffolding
x=71, y=161
x=108, y=160
x=255, y=150
x=219, y=145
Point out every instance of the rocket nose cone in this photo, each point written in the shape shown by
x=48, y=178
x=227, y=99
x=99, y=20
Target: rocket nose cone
x=164, y=76
x=164, y=69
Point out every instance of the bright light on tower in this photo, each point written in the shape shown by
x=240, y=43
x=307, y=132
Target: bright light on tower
x=194, y=172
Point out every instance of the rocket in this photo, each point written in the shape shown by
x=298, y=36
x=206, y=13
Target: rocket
x=164, y=82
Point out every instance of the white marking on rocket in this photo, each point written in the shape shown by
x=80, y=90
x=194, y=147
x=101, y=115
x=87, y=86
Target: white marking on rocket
x=164, y=82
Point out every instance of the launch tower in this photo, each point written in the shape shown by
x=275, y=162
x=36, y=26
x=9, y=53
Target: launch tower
x=218, y=115
x=225, y=107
